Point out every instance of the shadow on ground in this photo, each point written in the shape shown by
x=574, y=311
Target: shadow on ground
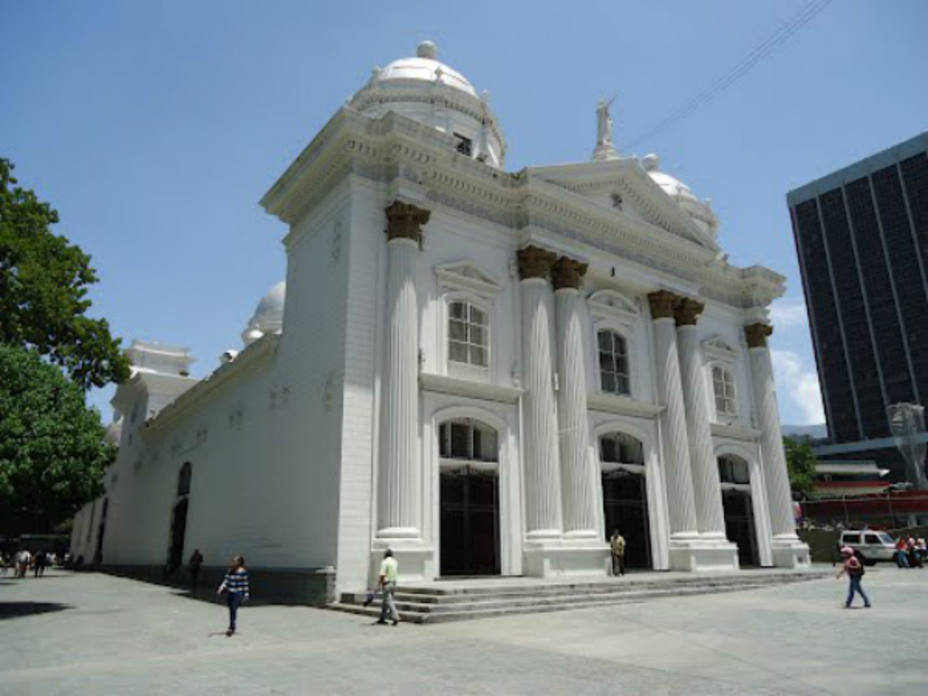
x=14, y=610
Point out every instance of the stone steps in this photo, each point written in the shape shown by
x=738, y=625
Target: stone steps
x=433, y=603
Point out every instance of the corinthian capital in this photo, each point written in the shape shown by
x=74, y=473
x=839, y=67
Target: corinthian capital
x=757, y=334
x=535, y=262
x=662, y=304
x=404, y=221
x=687, y=311
x=567, y=273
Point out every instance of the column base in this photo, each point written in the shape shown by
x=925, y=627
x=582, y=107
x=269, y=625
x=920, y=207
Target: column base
x=554, y=559
x=415, y=561
x=790, y=552
x=703, y=553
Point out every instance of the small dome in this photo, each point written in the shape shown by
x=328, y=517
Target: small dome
x=426, y=68
x=426, y=90
x=269, y=315
x=700, y=211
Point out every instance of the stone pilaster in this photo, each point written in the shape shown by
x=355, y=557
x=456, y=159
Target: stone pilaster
x=787, y=550
x=577, y=468
x=539, y=443
x=707, y=492
x=681, y=508
x=399, y=486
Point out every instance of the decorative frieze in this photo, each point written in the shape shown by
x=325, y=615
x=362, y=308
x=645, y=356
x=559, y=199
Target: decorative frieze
x=756, y=334
x=663, y=303
x=535, y=262
x=404, y=221
x=567, y=273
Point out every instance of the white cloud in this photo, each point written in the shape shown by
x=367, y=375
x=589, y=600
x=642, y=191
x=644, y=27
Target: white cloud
x=799, y=386
x=787, y=311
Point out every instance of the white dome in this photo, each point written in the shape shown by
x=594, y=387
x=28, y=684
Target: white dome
x=426, y=90
x=700, y=211
x=269, y=315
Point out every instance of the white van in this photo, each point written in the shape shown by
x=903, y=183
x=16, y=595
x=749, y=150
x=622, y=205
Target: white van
x=869, y=545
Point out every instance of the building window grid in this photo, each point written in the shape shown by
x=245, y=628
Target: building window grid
x=467, y=439
x=613, y=362
x=468, y=334
x=621, y=448
x=723, y=387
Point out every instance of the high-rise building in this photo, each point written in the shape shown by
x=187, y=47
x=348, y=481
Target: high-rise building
x=862, y=240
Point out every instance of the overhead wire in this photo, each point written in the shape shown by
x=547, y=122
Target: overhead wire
x=749, y=61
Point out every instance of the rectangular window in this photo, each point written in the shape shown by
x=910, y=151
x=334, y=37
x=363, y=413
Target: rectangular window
x=468, y=334
x=463, y=144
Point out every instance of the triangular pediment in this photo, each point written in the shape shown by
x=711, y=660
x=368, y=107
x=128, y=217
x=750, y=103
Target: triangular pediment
x=624, y=187
x=466, y=274
x=719, y=347
x=609, y=302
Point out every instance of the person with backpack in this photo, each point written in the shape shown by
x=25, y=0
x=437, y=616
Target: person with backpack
x=855, y=571
x=235, y=585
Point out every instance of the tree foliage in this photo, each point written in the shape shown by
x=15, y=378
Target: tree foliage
x=43, y=291
x=800, y=462
x=52, y=454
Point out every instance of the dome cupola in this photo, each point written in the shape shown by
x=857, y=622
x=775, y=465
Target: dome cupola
x=269, y=315
x=699, y=211
x=426, y=90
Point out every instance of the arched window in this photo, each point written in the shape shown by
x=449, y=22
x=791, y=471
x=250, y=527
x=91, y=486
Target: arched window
x=733, y=470
x=468, y=334
x=723, y=386
x=466, y=438
x=183, y=479
x=621, y=448
x=613, y=362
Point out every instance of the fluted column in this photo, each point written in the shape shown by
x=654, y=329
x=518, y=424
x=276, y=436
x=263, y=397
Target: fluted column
x=540, y=447
x=682, y=511
x=398, y=480
x=707, y=492
x=577, y=476
x=765, y=398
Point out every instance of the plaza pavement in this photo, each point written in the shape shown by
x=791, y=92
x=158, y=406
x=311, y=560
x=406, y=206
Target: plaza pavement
x=94, y=634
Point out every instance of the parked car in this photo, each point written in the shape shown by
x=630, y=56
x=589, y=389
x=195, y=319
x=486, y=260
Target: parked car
x=869, y=545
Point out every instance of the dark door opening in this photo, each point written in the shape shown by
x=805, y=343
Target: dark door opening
x=625, y=504
x=469, y=523
x=739, y=526
x=178, y=531
x=101, y=533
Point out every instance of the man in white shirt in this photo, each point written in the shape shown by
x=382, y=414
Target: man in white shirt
x=387, y=581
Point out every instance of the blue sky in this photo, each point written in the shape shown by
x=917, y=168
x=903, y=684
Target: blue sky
x=155, y=127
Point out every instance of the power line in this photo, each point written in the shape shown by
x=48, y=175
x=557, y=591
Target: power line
x=761, y=51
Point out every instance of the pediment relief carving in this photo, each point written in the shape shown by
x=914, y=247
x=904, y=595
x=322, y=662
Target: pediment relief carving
x=466, y=274
x=612, y=303
x=718, y=347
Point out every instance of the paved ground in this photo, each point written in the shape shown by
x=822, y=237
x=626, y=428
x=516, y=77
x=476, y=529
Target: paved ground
x=95, y=634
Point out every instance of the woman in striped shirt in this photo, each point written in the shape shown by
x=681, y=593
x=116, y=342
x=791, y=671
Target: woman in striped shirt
x=235, y=585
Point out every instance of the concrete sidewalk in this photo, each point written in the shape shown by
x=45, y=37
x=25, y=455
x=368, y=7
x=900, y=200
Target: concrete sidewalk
x=97, y=634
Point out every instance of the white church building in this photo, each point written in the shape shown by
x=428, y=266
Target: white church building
x=486, y=372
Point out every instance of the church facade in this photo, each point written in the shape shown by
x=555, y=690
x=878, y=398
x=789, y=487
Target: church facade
x=486, y=372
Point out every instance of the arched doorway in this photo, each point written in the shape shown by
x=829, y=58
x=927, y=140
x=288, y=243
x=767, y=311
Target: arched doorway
x=469, y=498
x=179, y=518
x=740, y=529
x=625, y=498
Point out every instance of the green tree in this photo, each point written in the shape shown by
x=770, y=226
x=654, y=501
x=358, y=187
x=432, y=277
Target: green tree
x=52, y=454
x=43, y=291
x=800, y=462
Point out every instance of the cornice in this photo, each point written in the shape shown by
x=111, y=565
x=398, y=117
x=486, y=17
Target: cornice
x=462, y=387
x=394, y=147
x=621, y=405
x=735, y=432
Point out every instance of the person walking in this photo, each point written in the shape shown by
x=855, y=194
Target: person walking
x=855, y=571
x=387, y=582
x=235, y=585
x=194, y=564
x=617, y=546
x=39, y=564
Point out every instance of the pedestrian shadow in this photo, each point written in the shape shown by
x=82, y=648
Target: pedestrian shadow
x=15, y=610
